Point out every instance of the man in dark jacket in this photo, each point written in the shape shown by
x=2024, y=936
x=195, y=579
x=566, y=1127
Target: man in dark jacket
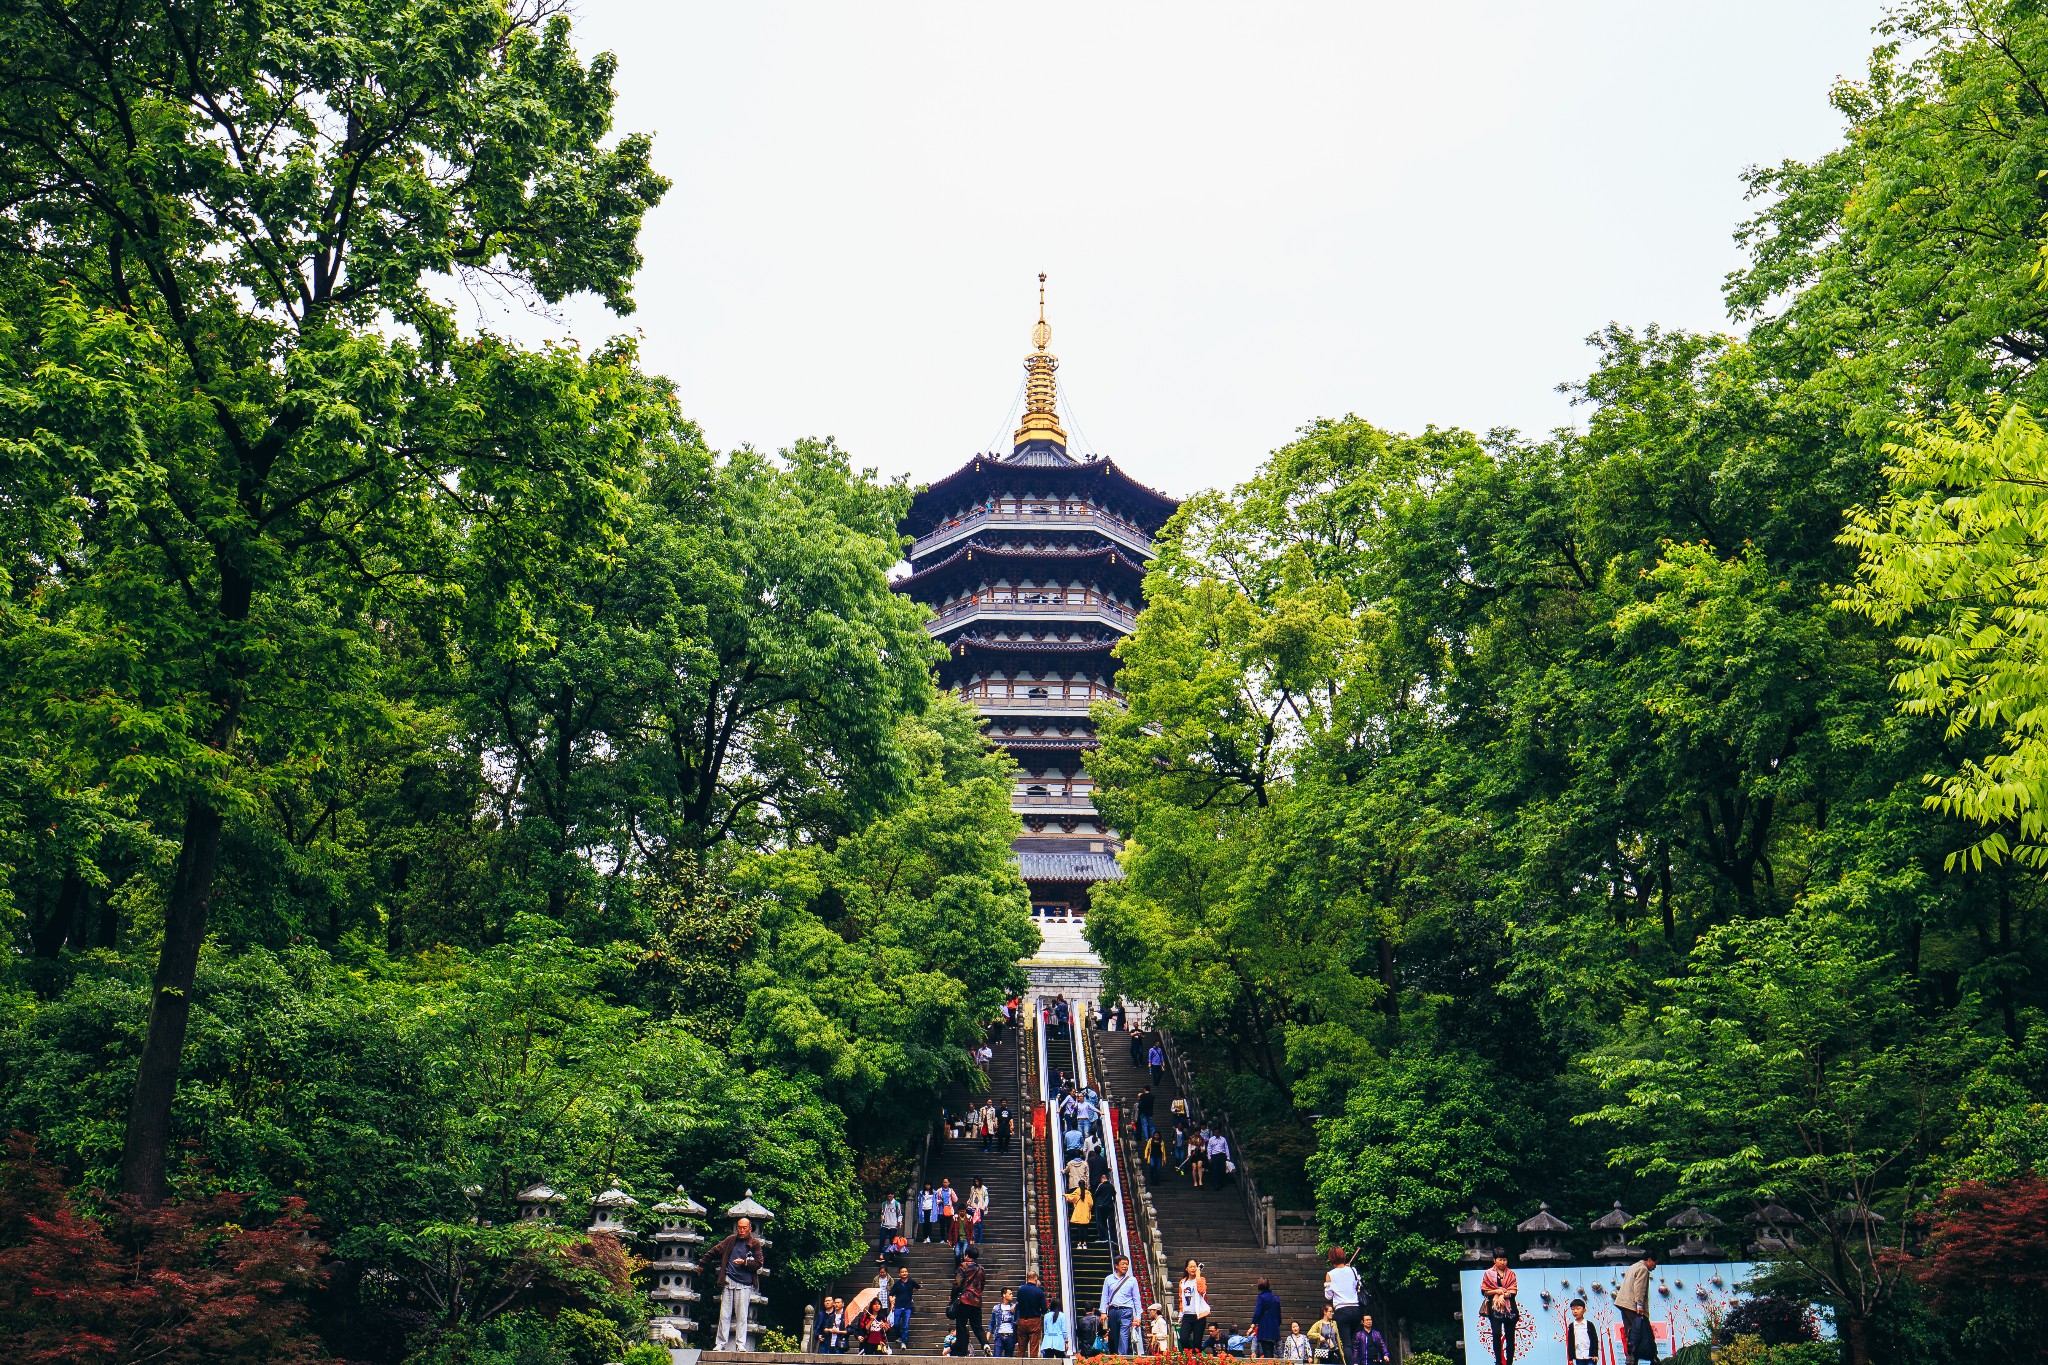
x=967, y=1316
x=736, y=1265
x=1030, y=1317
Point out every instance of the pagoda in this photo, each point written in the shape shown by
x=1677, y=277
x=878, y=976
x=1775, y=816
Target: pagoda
x=1033, y=563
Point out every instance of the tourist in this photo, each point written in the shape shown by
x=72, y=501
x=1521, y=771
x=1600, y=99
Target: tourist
x=1214, y=1343
x=1296, y=1347
x=1030, y=1315
x=735, y=1263
x=977, y=1197
x=1158, y=1336
x=1266, y=1320
x=1581, y=1338
x=1344, y=1290
x=1193, y=1302
x=1105, y=1208
x=1080, y=1208
x=874, y=1331
x=892, y=1220
x=1219, y=1154
x=1180, y=1144
x=1324, y=1340
x=1089, y=1344
x=1368, y=1347
x=948, y=1199
x=1145, y=1125
x=1241, y=1343
x=1087, y=1113
x=1137, y=1047
x=832, y=1329
x=1075, y=1173
x=1155, y=1156
x=1002, y=1325
x=1497, y=1305
x=1120, y=1305
x=927, y=1214
x=1003, y=1126
x=1197, y=1160
x=1122, y=1019
x=1156, y=1059
x=1639, y=1339
x=967, y=1287
x=902, y=1293
x=1060, y=1018
x=1053, y=1341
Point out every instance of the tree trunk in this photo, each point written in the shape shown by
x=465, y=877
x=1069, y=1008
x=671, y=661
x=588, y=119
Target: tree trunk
x=64, y=918
x=394, y=914
x=1858, y=1332
x=145, y=1153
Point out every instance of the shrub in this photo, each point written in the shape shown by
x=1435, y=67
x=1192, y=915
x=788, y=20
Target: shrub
x=1772, y=1318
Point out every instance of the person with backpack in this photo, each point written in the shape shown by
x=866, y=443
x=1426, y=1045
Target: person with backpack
x=967, y=1289
x=892, y=1221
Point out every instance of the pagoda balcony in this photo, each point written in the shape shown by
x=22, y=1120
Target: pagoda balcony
x=1018, y=517
x=1100, y=610
x=1081, y=802
x=1029, y=706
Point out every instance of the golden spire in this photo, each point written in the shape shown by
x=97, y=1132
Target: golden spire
x=1041, y=395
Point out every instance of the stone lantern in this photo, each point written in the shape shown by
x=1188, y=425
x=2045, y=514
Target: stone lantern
x=539, y=1203
x=1777, y=1229
x=1477, y=1235
x=675, y=1268
x=1613, y=1229
x=1697, y=1242
x=611, y=1212
x=1542, y=1233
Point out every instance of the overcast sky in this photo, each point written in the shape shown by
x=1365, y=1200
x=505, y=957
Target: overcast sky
x=1252, y=214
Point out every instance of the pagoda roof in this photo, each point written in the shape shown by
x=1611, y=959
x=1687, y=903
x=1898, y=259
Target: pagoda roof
x=975, y=646
x=985, y=474
x=1054, y=742
x=1110, y=556
x=1069, y=867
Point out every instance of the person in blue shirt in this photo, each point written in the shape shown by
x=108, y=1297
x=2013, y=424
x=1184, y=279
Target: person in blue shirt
x=1053, y=1342
x=1121, y=1305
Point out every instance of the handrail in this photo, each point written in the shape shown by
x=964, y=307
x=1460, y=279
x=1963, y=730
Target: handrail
x=1079, y=1031
x=1256, y=1207
x=1058, y=1145
x=1140, y=1221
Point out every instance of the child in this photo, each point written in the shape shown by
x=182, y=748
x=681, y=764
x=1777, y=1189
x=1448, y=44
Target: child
x=1581, y=1338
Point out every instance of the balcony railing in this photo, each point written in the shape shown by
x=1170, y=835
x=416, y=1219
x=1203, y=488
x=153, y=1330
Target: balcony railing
x=1027, y=705
x=1074, y=606
x=1009, y=518
x=1073, y=801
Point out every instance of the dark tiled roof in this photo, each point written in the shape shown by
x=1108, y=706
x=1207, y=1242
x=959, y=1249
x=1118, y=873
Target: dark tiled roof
x=1068, y=867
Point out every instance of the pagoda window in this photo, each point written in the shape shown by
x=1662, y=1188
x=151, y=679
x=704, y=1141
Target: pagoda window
x=1038, y=694
x=1036, y=789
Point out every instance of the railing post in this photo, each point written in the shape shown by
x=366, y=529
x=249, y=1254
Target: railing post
x=1272, y=1223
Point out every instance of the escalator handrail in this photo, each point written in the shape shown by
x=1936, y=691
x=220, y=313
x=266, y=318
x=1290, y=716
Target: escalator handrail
x=1116, y=1175
x=1059, y=1194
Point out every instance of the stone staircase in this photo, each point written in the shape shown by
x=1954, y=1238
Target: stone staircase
x=962, y=1161
x=1208, y=1224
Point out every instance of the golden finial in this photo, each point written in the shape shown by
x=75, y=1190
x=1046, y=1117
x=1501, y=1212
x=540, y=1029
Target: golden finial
x=1041, y=394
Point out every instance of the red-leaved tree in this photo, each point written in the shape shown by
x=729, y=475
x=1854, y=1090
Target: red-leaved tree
x=1984, y=1265
x=184, y=1282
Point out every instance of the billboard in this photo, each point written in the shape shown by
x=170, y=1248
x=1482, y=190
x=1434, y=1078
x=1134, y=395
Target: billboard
x=1687, y=1302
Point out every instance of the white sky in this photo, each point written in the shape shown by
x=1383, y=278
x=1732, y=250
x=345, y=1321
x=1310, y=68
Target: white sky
x=1252, y=214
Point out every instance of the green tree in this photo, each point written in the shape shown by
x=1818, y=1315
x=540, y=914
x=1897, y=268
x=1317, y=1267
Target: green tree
x=236, y=198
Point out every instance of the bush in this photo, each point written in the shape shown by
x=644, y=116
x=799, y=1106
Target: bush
x=1772, y=1319
x=647, y=1353
x=1427, y=1358
x=1807, y=1353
